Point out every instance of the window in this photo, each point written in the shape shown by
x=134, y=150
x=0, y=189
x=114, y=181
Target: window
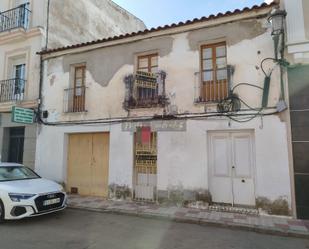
x=214, y=85
x=79, y=89
x=79, y=80
x=19, y=76
x=148, y=63
x=13, y=87
x=146, y=85
x=19, y=15
x=75, y=96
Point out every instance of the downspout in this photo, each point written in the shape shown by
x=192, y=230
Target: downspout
x=42, y=65
x=47, y=24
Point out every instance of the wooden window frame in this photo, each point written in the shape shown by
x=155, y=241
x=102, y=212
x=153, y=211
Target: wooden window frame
x=79, y=99
x=149, y=57
x=213, y=88
x=83, y=67
x=146, y=97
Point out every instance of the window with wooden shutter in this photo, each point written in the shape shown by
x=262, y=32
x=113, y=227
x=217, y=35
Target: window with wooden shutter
x=79, y=89
x=148, y=63
x=214, y=85
x=146, y=86
x=74, y=97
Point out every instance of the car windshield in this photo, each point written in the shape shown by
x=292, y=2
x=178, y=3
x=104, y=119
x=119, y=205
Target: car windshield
x=13, y=173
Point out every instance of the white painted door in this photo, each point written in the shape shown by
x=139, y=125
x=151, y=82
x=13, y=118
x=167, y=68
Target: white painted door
x=231, y=168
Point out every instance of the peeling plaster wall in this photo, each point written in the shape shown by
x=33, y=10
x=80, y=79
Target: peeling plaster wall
x=233, y=33
x=179, y=57
x=103, y=69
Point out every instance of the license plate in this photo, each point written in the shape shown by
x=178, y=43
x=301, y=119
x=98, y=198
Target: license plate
x=51, y=202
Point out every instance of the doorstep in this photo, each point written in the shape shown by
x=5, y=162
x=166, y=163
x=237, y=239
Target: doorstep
x=278, y=225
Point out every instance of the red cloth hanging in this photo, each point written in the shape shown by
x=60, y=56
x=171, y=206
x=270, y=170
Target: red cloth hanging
x=146, y=135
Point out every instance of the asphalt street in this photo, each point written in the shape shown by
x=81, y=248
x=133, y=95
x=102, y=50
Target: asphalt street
x=77, y=229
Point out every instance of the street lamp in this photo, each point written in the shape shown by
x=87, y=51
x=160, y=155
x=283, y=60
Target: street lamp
x=276, y=19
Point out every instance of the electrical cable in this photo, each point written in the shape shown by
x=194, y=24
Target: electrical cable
x=247, y=84
x=184, y=116
x=266, y=59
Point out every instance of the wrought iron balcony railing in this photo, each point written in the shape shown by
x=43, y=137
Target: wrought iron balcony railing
x=12, y=90
x=74, y=99
x=15, y=18
x=145, y=90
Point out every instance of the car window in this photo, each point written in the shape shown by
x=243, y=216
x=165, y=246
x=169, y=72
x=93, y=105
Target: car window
x=16, y=173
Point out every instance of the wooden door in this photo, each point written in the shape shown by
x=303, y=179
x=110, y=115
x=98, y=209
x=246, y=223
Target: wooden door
x=242, y=166
x=220, y=168
x=88, y=157
x=100, y=159
x=231, y=168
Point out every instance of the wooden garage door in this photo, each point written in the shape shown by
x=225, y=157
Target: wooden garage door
x=88, y=164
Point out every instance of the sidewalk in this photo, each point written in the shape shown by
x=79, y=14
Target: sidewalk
x=265, y=224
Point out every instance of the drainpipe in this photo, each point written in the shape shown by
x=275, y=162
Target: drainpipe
x=42, y=65
x=47, y=24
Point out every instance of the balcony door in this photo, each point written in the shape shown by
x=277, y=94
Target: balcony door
x=79, y=89
x=19, y=75
x=145, y=92
x=214, y=86
x=21, y=15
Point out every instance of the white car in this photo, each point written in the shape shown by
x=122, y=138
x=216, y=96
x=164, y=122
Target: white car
x=23, y=193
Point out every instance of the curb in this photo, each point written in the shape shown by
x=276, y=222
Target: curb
x=197, y=221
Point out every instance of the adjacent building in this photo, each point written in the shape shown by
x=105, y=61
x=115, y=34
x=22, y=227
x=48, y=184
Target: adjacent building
x=189, y=110
x=297, y=42
x=28, y=26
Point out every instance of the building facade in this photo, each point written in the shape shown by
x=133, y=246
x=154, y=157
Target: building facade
x=186, y=111
x=297, y=26
x=29, y=26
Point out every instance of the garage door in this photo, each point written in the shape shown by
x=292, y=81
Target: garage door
x=88, y=164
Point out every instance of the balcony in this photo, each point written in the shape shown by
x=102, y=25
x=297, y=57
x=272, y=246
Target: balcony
x=145, y=90
x=12, y=90
x=215, y=89
x=15, y=18
x=74, y=99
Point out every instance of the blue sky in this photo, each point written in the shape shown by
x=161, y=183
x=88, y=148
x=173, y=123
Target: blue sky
x=160, y=12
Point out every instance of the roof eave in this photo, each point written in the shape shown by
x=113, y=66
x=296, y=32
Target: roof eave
x=254, y=12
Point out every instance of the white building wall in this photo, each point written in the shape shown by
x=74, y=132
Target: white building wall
x=51, y=156
x=297, y=30
x=182, y=156
x=182, y=65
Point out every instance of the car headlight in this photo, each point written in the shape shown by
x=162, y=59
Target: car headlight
x=18, y=197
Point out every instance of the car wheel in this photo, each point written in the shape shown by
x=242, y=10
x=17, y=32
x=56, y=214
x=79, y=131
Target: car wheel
x=1, y=211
